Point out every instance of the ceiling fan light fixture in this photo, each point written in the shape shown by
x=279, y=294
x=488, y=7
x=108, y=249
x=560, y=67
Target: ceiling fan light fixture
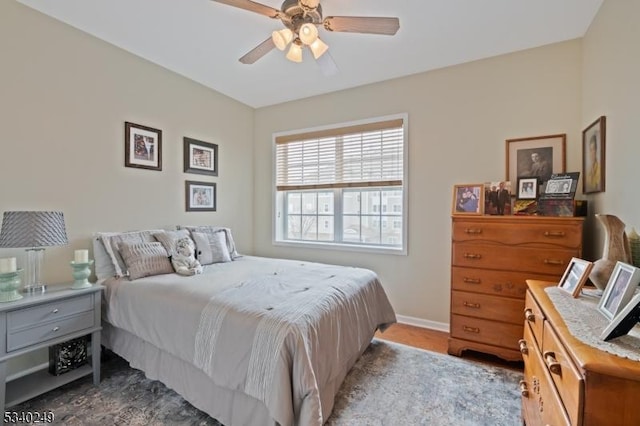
x=295, y=53
x=282, y=38
x=308, y=33
x=311, y=4
x=318, y=48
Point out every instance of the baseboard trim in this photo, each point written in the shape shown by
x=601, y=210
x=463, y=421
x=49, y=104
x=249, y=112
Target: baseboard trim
x=419, y=322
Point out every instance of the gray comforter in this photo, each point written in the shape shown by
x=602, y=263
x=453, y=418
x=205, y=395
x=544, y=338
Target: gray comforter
x=283, y=332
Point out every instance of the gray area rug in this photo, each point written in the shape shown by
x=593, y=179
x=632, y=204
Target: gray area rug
x=391, y=384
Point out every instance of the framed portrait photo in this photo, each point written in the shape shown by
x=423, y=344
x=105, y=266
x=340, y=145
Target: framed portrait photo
x=200, y=196
x=468, y=198
x=593, y=159
x=538, y=156
x=619, y=290
x=142, y=147
x=575, y=276
x=622, y=323
x=527, y=188
x=200, y=157
x=497, y=198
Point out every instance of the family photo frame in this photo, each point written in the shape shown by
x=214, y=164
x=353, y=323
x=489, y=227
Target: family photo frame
x=200, y=157
x=619, y=290
x=200, y=196
x=575, y=276
x=527, y=188
x=468, y=199
x=622, y=323
x=538, y=156
x=593, y=156
x=142, y=147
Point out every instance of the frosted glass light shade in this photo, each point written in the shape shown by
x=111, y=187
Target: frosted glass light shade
x=312, y=4
x=282, y=38
x=318, y=48
x=308, y=33
x=295, y=53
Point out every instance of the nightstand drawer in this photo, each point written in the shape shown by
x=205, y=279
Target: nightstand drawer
x=19, y=319
x=54, y=329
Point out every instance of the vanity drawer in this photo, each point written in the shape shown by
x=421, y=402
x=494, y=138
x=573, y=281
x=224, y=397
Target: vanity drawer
x=46, y=312
x=486, y=331
x=35, y=334
x=486, y=306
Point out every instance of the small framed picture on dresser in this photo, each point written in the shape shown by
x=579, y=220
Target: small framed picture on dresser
x=619, y=290
x=468, y=198
x=575, y=276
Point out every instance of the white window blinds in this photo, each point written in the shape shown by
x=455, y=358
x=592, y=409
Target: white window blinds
x=355, y=156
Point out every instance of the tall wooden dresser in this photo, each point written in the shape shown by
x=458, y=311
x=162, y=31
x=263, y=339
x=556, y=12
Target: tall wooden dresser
x=491, y=257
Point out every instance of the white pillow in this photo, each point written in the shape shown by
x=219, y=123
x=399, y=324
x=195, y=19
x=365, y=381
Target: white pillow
x=112, y=240
x=145, y=259
x=103, y=264
x=210, y=230
x=211, y=248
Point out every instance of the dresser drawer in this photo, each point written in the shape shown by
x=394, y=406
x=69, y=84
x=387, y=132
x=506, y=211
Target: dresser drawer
x=487, y=281
x=50, y=311
x=563, y=372
x=486, y=331
x=494, y=256
x=534, y=318
x=35, y=334
x=560, y=234
x=486, y=306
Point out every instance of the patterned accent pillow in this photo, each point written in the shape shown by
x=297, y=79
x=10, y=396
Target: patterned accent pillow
x=211, y=248
x=112, y=241
x=169, y=238
x=211, y=230
x=145, y=259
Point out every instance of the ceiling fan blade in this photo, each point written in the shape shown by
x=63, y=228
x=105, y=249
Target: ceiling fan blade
x=252, y=6
x=258, y=52
x=327, y=65
x=362, y=24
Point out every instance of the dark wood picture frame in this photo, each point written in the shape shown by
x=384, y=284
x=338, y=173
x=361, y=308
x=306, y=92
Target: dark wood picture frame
x=142, y=147
x=575, y=276
x=527, y=182
x=200, y=196
x=200, y=157
x=550, y=149
x=593, y=156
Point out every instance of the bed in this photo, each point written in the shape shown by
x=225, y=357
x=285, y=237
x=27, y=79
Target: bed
x=251, y=341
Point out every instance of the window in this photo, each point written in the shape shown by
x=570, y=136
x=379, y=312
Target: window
x=343, y=186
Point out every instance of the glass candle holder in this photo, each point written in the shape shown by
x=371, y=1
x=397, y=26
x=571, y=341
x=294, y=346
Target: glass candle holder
x=9, y=284
x=81, y=272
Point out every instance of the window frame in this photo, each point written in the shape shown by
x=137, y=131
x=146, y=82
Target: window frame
x=279, y=222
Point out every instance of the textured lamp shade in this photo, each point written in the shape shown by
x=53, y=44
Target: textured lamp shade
x=33, y=230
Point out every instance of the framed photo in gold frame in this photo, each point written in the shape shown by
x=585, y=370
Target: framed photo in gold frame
x=468, y=199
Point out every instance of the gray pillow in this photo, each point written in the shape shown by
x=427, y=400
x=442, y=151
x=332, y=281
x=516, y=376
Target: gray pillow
x=210, y=230
x=112, y=241
x=211, y=248
x=169, y=238
x=145, y=259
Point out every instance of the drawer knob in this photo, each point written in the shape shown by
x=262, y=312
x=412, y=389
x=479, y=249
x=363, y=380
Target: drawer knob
x=471, y=329
x=55, y=311
x=524, y=391
x=471, y=305
x=523, y=346
x=473, y=231
x=553, y=262
x=554, y=234
x=56, y=328
x=529, y=315
x=552, y=363
x=472, y=256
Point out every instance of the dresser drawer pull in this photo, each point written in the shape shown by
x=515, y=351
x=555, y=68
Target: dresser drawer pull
x=554, y=234
x=471, y=329
x=524, y=391
x=471, y=280
x=523, y=346
x=552, y=363
x=56, y=328
x=472, y=256
x=471, y=305
x=55, y=311
x=474, y=231
x=553, y=262
x=529, y=315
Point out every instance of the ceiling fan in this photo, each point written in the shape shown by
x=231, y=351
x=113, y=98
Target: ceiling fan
x=301, y=19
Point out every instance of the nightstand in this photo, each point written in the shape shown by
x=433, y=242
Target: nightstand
x=39, y=321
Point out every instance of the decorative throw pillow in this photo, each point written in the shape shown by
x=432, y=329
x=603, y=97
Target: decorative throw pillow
x=145, y=259
x=210, y=230
x=112, y=240
x=211, y=248
x=169, y=238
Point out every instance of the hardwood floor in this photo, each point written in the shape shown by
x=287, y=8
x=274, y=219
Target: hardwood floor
x=436, y=341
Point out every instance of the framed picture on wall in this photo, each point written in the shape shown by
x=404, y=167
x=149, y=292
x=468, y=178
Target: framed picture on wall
x=142, y=147
x=200, y=157
x=200, y=196
x=538, y=156
x=593, y=160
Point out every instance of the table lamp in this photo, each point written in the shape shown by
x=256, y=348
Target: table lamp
x=33, y=230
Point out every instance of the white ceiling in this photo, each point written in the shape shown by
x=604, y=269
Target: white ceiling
x=202, y=39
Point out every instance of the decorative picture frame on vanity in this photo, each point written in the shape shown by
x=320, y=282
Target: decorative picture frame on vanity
x=622, y=323
x=142, y=147
x=575, y=276
x=200, y=196
x=537, y=156
x=619, y=290
x=593, y=156
x=527, y=188
x=468, y=199
x=200, y=157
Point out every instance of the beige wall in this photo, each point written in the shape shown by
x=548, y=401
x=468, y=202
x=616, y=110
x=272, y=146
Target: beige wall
x=459, y=118
x=611, y=87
